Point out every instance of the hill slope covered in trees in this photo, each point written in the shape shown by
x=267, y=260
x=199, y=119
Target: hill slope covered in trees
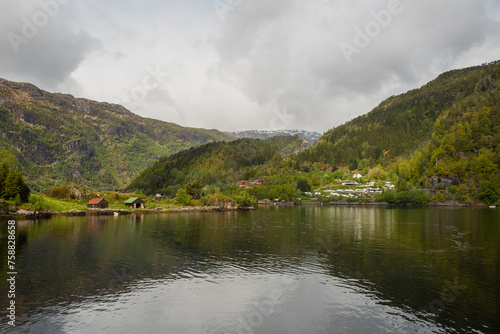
x=59, y=139
x=209, y=164
x=401, y=124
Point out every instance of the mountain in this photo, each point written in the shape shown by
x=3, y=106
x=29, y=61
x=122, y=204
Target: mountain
x=465, y=142
x=308, y=136
x=402, y=124
x=209, y=164
x=60, y=139
x=444, y=137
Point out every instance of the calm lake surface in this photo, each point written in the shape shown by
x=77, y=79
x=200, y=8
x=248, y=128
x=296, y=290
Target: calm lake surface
x=274, y=270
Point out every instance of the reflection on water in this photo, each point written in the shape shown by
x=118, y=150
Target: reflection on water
x=288, y=270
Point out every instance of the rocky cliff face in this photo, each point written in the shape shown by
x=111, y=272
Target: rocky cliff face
x=59, y=139
x=301, y=146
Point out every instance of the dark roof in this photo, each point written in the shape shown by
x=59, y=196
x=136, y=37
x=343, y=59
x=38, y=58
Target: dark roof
x=95, y=201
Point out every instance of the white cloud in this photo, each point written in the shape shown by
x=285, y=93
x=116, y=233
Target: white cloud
x=267, y=64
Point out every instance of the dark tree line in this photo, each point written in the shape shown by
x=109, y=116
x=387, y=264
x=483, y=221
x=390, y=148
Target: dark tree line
x=12, y=185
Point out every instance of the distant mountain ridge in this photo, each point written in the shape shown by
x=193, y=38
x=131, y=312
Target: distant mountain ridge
x=308, y=136
x=59, y=139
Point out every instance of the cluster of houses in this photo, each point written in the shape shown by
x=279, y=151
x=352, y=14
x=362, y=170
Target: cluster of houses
x=101, y=203
x=362, y=189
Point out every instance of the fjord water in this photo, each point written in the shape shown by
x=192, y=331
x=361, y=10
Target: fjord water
x=274, y=270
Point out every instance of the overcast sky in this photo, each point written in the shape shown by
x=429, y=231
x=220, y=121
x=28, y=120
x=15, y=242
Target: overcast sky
x=244, y=64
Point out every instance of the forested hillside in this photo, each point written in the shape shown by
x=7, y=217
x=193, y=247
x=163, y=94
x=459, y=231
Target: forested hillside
x=209, y=164
x=401, y=124
x=464, y=149
x=59, y=139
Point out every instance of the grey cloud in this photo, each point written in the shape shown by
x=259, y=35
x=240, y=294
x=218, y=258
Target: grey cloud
x=265, y=57
x=42, y=46
x=276, y=62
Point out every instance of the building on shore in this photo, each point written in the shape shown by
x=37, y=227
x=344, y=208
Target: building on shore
x=135, y=203
x=97, y=203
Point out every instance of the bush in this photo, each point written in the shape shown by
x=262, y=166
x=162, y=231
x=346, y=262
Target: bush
x=488, y=192
x=453, y=190
x=68, y=192
x=38, y=203
x=462, y=194
x=4, y=207
x=303, y=185
x=439, y=197
x=419, y=197
x=388, y=196
x=284, y=197
x=194, y=189
x=182, y=197
x=245, y=199
x=402, y=197
x=216, y=200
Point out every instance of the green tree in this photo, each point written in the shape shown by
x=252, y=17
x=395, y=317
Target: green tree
x=303, y=185
x=12, y=185
x=353, y=164
x=245, y=199
x=9, y=158
x=388, y=196
x=182, y=197
x=439, y=197
x=194, y=189
x=4, y=171
x=419, y=197
x=284, y=197
x=401, y=184
x=489, y=192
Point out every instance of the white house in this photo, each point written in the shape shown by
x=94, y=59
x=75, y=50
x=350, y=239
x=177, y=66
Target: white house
x=390, y=185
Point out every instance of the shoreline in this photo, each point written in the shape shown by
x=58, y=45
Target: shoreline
x=119, y=212
x=382, y=204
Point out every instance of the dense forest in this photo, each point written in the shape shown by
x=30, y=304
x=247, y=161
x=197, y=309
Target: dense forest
x=213, y=163
x=464, y=149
